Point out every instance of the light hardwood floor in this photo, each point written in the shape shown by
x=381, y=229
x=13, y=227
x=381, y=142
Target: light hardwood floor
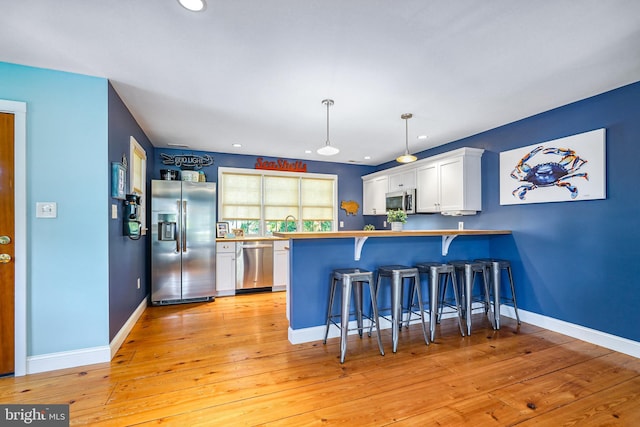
x=229, y=363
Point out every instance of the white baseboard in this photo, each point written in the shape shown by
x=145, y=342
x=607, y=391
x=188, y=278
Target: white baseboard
x=315, y=333
x=126, y=328
x=593, y=336
x=613, y=342
x=68, y=359
x=85, y=356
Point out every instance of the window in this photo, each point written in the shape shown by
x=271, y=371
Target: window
x=261, y=202
x=137, y=177
x=317, y=204
x=240, y=203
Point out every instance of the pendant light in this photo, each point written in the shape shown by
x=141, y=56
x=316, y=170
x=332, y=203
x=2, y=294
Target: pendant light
x=193, y=5
x=406, y=157
x=327, y=149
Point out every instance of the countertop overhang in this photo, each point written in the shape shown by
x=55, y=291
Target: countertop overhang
x=384, y=233
x=361, y=236
x=249, y=239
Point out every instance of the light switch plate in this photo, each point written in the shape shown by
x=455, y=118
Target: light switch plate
x=114, y=211
x=46, y=210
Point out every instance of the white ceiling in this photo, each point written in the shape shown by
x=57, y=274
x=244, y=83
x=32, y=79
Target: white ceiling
x=255, y=72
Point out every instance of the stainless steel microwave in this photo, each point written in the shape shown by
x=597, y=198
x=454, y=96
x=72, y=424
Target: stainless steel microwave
x=405, y=200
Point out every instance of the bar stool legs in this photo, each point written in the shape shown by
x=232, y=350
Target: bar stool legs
x=493, y=270
x=397, y=274
x=352, y=280
x=470, y=270
x=436, y=272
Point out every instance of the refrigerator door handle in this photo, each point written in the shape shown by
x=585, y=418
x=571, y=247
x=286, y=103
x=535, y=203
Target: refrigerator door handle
x=179, y=230
x=184, y=226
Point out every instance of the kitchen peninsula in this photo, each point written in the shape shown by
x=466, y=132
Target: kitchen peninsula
x=312, y=257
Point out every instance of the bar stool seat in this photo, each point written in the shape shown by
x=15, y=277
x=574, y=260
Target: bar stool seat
x=397, y=275
x=466, y=273
x=351, y=279
x=493, y=268
x=439, y=275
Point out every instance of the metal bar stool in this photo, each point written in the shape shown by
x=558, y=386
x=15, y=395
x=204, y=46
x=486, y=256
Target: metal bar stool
x=469, y=271
x=397, y=274
x=493, y=270
x=439, y=275
x=351, y=279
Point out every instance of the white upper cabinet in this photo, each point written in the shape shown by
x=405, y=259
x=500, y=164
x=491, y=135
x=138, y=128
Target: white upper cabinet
x=451, y=183
x=374, y=190
x=402, y=180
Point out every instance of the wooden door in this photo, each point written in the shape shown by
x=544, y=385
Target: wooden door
x=7, y=227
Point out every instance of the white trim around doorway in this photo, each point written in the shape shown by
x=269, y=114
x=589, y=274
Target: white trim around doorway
x=19, y=110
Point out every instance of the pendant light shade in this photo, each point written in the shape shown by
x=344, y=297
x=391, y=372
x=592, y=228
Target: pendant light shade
x=406, y=157
x=193, y=5
x=327, y=149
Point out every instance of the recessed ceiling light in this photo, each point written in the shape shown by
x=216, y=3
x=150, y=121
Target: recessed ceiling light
x=422, y=136
x=236, y=145
x=308, y=151
x=193, y=5
x=367, y=157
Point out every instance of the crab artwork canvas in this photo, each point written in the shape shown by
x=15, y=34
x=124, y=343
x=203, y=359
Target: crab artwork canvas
x=565, y=169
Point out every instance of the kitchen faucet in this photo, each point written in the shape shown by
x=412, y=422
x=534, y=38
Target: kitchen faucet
x=286, y=223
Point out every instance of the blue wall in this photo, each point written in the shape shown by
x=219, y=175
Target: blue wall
x=573, y=261
x=349, y=176
x=128, y=258
x=67, y=269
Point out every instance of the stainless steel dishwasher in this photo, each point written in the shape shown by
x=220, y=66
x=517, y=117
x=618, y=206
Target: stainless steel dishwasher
x=254, y=266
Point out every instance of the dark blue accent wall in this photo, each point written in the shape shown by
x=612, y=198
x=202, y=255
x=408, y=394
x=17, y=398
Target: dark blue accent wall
x=349, y=176
x=128, y=258
x=573, y=261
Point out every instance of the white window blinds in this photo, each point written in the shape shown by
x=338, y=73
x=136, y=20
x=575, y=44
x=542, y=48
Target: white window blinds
x=317, y=199
x=241, y=198
x=281, y=197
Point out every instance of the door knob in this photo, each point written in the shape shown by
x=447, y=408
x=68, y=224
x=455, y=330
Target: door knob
x=5, y=258
x=5, y=240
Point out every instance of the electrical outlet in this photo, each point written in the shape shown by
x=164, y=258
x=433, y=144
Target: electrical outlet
x=114, y=211
x=138, y=283
x=384, y=224
x=341, y=224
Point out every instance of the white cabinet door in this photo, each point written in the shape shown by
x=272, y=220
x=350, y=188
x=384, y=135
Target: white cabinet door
x=373, y=195
x=428, y=191
x=280, y=265
x=451, y=184
x=225, y=268
x=402, y=181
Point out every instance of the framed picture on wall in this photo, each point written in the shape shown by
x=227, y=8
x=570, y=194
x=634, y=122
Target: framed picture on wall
x=563, y=170
x=222, y=228
x=118, y=180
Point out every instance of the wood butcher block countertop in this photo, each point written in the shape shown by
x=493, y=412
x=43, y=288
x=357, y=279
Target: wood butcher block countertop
x=386, y=233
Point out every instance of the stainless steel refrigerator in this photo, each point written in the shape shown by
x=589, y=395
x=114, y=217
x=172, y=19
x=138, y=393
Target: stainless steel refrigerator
x=183, y=241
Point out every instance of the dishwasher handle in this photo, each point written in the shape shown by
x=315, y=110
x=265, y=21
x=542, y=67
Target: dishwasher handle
x=244, y=246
